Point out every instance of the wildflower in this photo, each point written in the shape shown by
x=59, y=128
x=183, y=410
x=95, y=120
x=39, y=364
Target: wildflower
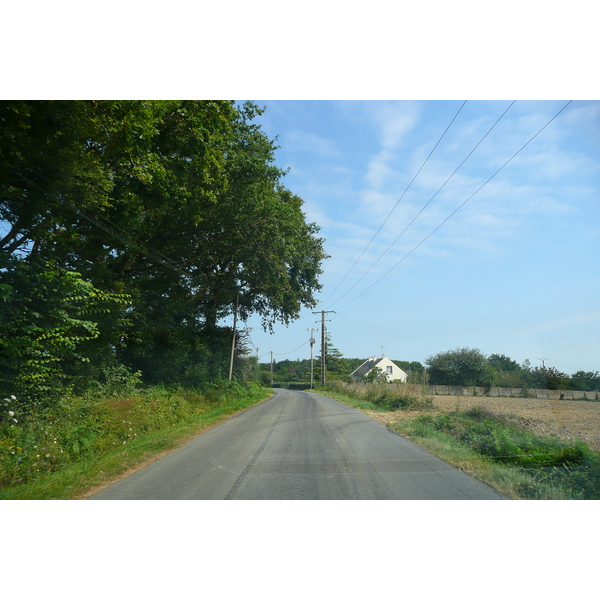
x=11, y=413
x=13, y=398
x=47, y=456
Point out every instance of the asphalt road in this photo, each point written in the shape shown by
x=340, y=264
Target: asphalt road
x=294, y=446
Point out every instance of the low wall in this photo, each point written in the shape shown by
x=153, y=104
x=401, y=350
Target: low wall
x=503, y=392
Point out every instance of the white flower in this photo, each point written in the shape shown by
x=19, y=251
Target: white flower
x=11, y=413
x=13, y=397
x=15, y=421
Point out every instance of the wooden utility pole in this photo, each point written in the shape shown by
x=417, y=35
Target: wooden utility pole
x=323, y=342
x=312, y=341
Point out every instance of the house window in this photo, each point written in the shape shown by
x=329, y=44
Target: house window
x=389, y=370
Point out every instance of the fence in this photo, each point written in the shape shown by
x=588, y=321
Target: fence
x=503, y=392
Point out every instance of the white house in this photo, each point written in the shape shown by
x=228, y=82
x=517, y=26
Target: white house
x=390, y=369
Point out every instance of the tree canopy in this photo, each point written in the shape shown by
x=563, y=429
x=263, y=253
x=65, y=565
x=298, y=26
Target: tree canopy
x=177, y=205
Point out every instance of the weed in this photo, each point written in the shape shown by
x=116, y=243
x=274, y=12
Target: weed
x=84, y=430
x=382, y=396
x=546, y=466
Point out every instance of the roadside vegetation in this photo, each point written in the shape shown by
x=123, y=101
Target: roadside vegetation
x=494, y=448
x=380, y=397
x=86, y=441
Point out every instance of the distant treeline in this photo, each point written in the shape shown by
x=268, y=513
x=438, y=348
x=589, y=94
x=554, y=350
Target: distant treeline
x=460, y=367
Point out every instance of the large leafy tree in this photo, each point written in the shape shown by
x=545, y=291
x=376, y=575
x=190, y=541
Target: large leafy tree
x=463, y=366
x=585, y=380
x=177, y=203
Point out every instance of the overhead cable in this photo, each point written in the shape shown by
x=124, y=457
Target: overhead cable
x=424, y=207
x=395, y=205
x=461, y=205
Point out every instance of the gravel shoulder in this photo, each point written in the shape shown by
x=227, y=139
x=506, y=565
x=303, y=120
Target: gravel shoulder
x=569, y=420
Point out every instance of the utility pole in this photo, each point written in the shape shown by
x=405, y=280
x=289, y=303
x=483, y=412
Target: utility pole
x=271, y=368
x=543, y=359
x=312, y=341
x=323, y=342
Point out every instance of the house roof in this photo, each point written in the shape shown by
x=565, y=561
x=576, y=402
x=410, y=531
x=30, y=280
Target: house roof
x=365, y=367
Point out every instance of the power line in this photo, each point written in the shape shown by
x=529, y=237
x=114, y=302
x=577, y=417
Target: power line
x=461, y=205
x=284, y=353
x=424, y=207
x=395, y=205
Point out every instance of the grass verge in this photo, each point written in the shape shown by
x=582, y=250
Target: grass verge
x=89, y=443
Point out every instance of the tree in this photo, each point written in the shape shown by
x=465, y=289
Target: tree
x=463, y=366
x=48, y=325
x=548, y=378
x=586, y=381
x=177, y=203
x=375, y=375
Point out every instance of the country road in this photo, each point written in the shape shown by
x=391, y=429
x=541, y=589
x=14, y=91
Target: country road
x=294, y=446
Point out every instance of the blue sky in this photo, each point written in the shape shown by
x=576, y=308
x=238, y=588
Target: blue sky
x=514, y=271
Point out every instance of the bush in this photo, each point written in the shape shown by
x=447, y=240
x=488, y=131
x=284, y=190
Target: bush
x=546, y=459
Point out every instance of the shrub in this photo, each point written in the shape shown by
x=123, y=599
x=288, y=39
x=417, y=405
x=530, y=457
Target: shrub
x=547, y=460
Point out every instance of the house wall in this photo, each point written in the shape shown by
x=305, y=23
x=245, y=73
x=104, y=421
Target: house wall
x=397, y=372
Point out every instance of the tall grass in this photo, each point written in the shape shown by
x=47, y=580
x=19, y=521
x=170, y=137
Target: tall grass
x=381, y=396
x=86, y=439
x=526, y=465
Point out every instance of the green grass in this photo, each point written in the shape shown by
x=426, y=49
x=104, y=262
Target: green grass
x=87, y=442
x=515, y=461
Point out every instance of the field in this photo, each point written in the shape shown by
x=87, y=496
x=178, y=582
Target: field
x=569, y=420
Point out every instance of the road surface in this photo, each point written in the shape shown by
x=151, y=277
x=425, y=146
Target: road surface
x=294, y=446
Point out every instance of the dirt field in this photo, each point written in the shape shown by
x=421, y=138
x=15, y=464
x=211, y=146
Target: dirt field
x=567, y=419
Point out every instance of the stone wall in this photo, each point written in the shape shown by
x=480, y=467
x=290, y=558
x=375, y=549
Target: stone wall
x=457, y=390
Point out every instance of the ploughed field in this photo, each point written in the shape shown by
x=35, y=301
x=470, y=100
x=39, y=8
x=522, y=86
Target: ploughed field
x=567, y=419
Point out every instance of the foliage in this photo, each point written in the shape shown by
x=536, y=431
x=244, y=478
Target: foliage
x=375, y=375
x=83, y=429
x=585, y=380
x=573, y=467
x=548, y=378
x=178, y=205
x=464, y=366
x=382, y=396
x=48, y=322
x=468, y=367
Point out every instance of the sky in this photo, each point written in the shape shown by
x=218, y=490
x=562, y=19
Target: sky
x=447, y=227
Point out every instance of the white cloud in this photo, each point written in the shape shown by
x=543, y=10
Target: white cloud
x=303, y=141
x=395, y=120
x=578, y=319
